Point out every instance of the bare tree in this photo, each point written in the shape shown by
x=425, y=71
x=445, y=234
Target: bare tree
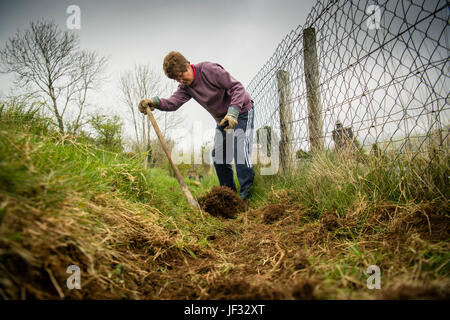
x=51, y=60
x=140, y=83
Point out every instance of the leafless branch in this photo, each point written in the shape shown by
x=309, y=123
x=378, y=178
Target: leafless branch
x=49, y=59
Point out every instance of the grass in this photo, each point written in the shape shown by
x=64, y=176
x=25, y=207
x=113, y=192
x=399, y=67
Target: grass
x=374, y=204
x=62, y=162
x=65, y=201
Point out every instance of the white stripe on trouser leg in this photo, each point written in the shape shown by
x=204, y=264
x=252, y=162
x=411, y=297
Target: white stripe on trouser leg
x=245, y=142
x=247, y=153
x=250, y=139
x=247, y=139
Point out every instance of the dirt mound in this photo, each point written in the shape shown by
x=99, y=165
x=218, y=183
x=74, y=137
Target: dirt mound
x=410, y=292
x=115, y=249
x=259, y=289
x=300, y=261
x=269, y=213
x=222, y=201
x=304, y=289
x=241, y=289
x=330, y=221
x=430, y=226
x=272, y=213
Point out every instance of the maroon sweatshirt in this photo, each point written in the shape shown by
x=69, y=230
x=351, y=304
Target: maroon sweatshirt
x=214, y=89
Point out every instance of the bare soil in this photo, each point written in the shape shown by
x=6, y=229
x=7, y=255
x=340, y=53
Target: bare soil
x=426, y=291
x=278, y=251
x=222, y=201
x=272, y=213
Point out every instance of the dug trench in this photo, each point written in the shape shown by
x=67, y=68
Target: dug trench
x=282, y=251
x=277, y=251
x=249, y=257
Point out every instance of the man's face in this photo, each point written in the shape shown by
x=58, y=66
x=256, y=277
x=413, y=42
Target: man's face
x=186, y=77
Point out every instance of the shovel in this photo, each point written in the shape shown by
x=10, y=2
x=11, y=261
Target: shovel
x=180, y=179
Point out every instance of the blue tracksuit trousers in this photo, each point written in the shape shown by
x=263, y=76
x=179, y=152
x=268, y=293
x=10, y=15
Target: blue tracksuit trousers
x=237, y=144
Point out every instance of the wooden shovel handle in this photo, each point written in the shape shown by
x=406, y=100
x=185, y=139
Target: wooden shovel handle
x=180, y=179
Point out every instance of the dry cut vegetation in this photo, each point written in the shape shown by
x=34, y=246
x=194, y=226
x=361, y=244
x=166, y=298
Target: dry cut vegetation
x=308, y=235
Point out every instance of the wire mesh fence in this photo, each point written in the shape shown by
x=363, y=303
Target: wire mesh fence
x=373, y=73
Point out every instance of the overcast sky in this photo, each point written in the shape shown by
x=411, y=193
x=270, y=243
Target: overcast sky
x=241, y=35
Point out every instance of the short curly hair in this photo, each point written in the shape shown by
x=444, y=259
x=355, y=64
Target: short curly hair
x=174, y=64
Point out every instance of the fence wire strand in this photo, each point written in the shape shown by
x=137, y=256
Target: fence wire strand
x=383, y=76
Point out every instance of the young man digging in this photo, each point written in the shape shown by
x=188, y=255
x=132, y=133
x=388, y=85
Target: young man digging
x=230, y=105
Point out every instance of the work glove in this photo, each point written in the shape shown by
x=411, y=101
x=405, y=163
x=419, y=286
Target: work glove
x=151, y=103
x=231, y=116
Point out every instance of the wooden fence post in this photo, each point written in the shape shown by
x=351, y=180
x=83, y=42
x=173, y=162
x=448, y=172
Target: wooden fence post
x=284, y=95
x=311, y=66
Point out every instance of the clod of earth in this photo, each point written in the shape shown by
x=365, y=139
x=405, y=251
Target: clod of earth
x=330, y=221
x=270, y=213
x=428, y=291
x=222, y=201
x=242, y=289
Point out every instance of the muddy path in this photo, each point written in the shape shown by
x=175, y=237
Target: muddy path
x=277, y=251
x=250, y=257
x=280, y=251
